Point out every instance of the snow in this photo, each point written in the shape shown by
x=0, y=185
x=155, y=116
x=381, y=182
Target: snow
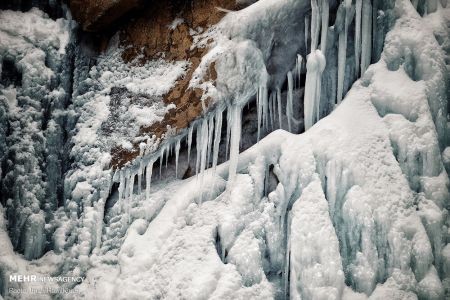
x=352, y=208
x=316, y=268
x=348, y=187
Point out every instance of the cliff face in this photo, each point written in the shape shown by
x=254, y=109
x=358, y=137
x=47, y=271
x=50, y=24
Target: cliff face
x=158, y=30
x=98, y=15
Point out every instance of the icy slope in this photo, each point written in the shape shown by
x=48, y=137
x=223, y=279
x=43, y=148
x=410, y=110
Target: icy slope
x=353, y=208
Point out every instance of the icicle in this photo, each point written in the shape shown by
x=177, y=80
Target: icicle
x=140, y=171
x=265, y=99
x=358, y=35
x=203, y=145
x=366, y=35
x=121, y=186
x=148, y=179
x=342, y=52
x=210, y=138
x=287, y=255
x=235, y=112
x=289, y=105
x=132, y=175
x=198, y=145
x=259, y=112
x=217, y=133
x=168, y=154
x=299, y=63
x=374, y=28
x=130, y=200
x=306, y=33
x=127, y=191
x=280, y=120
x=227, y=141
x=270, y=111
x=314, y=24
x=177, y=154
x=161, y=161
x=189, y=141
x=272, y=100
x=315, y=65
x=325, y=16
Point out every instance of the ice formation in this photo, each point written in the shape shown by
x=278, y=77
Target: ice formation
x=315, y=64
x=353, y=208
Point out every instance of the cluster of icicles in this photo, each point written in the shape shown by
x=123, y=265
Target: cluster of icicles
x=269, y=107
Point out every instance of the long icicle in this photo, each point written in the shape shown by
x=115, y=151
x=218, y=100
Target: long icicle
x=342, y=52
x=177, y=154
x=203, y=154
x=325, y=20
x=198, y=148
x=189, y=141
x=121, y=187
x=203, y=145
x=289, y=106
x=270, y=110
x=235, y=112
x=148, y=179
x=315, y=15
x=280, y=117
x=306, y=33
x=265, y=108
x=366, y=41
x=227, y=140
x=210, y=139
x=217, y=136
x=358, y=10
x=259, y=111
x=161, y=161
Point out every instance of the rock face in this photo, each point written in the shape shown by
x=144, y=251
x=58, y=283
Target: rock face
x=159, y=31
x=98, y=15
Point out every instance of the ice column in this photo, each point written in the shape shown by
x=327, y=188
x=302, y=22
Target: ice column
x=358, y=9
x=289, y=106
x=227, y=141
x=148, y=179
x=315, y=65
x=189, y=141
x=235, y=118
x=298, y=65
x=203, y=145
x=325, y=16
x=210, y=139
x=279, y=107
x=306, y=32
x=342, y=52
x=265, y=107
x=121, y=186
x=198, y=147
x=366, y=35
x=315, y=21
x=217, y=135
x=177, y=154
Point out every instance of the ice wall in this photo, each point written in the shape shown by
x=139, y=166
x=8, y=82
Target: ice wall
x=32, y=112
x=380, y=213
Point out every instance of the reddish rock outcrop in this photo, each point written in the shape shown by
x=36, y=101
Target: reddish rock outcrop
x=153, y=34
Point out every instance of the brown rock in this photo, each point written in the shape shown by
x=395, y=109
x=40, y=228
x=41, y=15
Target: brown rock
x=97, y=15
x=151, y=36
